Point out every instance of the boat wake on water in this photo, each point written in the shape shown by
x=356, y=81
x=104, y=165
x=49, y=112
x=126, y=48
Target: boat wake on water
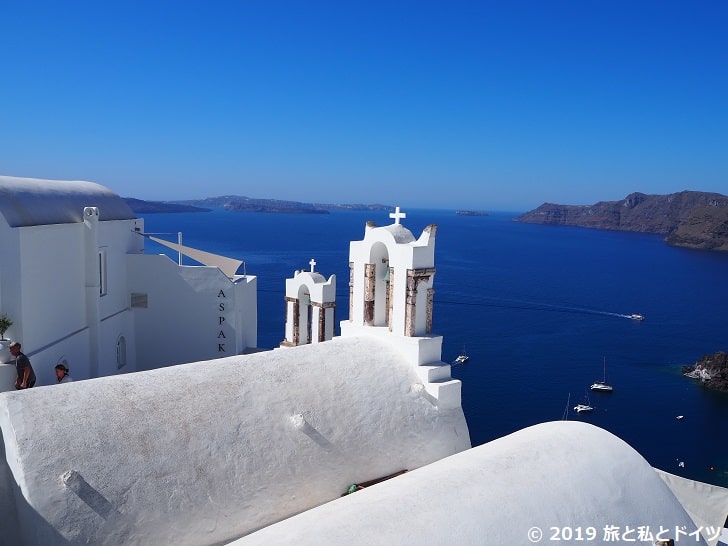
x=536, y=306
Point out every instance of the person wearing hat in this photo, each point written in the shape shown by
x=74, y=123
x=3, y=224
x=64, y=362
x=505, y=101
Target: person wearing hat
x=62, y=373
x=25, y=375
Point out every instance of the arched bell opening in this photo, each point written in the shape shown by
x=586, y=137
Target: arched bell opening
x=305, y=312
x=382, y=276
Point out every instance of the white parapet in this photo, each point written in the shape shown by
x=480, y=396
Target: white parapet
x=415, y=350
x=446, y=393
x=430, y=374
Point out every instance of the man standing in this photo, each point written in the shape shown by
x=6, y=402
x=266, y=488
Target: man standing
x=25, y=375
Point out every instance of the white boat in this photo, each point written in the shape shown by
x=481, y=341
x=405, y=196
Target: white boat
x=635, y=316
x=586, y=406
x=602, y=385
x=462, y=358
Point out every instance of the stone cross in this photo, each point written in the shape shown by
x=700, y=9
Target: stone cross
x=313, y=264
x=397, y=215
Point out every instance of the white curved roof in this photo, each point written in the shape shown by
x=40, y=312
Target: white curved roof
x=562, y=474
x=35, y=202
x=316, y=276
x=206, y=452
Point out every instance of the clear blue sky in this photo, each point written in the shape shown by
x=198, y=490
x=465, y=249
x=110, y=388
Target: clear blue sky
x=487, y=105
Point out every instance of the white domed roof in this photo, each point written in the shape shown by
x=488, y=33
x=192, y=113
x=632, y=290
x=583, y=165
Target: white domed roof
x=400, y=233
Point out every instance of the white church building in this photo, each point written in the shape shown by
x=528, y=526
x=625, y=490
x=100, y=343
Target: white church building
x=172, y=454
x=79, y=289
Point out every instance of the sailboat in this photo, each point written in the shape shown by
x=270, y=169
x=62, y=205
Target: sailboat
x=462, y=358
x=579, y=408
x=602, y=385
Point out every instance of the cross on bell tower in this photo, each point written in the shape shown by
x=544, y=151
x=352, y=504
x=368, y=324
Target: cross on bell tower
x=397, y=215
x=312, y=263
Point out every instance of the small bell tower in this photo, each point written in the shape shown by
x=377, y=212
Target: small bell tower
x=310, y=307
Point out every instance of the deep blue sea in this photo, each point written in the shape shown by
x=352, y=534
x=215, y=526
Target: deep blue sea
x=538, y=309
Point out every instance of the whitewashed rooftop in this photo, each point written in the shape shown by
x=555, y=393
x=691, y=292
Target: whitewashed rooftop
x=33, y=202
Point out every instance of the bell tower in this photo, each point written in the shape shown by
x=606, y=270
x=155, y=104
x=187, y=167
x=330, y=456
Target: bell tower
x=310, y=306
x=391, y=277
x=391, y=292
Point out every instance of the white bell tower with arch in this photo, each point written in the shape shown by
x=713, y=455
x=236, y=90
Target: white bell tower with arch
x=310, y=307
x=391, y=277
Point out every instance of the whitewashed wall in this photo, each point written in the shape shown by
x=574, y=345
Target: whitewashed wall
x=51, y=283
x=46, y=295
x=193, y=313
x=51, y=290
x=9, y=280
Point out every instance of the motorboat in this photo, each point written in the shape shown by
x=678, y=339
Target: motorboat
x=635, y=316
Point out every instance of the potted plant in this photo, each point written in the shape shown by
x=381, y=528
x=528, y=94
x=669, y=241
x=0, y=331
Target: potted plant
x=5, y=355
x=5, y=323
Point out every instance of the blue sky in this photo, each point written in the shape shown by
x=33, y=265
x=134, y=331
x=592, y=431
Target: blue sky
x=485, y=105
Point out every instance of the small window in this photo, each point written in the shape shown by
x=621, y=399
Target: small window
x=121, y=352
x=102, y=273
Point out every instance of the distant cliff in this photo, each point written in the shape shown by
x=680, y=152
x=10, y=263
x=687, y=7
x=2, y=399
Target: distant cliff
x=147, y=207
x=238, y=203
x=689, y=218
x=712, y=370
x=241, y=203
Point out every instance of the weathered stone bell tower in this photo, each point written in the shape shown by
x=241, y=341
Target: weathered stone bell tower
x=391, y=278
x=310, y=306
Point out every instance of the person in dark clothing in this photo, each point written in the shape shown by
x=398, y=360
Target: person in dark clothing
x=25, y=375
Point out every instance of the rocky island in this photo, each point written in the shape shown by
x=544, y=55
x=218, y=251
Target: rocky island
x=689, y=219
x=146, y=207
x=711, y=370
x=471, y=213
x=241, y=203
